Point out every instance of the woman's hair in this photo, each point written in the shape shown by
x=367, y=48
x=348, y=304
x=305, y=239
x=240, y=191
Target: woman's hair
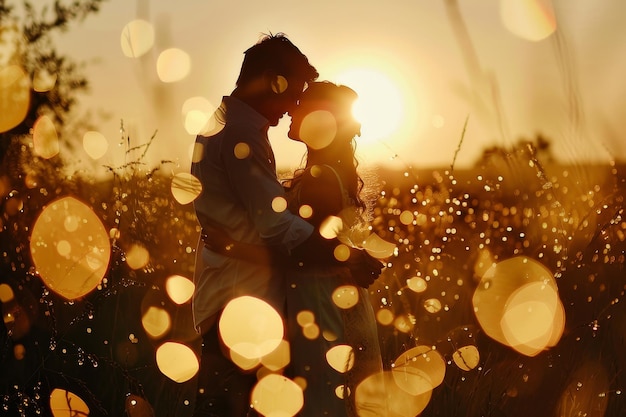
x=340, y=100
x=277, y=53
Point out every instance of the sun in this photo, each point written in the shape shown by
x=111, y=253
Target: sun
x=380, y=107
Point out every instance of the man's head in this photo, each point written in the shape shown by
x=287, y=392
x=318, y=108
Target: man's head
x=273, y=75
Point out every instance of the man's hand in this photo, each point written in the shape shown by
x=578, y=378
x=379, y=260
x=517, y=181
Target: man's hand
x=216, y=239
x=365, y=269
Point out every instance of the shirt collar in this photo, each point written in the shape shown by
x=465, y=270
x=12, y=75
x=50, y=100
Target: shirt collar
x=237, y=110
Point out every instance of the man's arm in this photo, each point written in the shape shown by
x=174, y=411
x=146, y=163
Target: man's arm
x=249, y=163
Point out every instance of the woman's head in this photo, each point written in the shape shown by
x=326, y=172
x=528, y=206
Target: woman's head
x=324, y=121
x=324, y=116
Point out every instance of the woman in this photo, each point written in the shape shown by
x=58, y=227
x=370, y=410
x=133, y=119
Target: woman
x=332, y=327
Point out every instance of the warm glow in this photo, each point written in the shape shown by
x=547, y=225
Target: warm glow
x=137, y=256
x=179, y=288
x=340, y=358
x=177, y=361
x=379, y=395
x=341, y=253
x=377, y=247
x=279, y=204
x=173, y=65
x=532, y=20
x=318, y=129
x=14, y=96
x=45, y=138
x=311, y=331
x=67, y=404
x=417, y=284
x=278, y=358
x=185, y=187
x=156, y=321
x=137, y=38
x=384, y=316
x=251, y=327
x=305, y=317
x=95, y=144
x=403, y=323
x=345, y=296
x=330, y=227
x=196, y=112
x=517, y=303
x=305, y=211
x=380, y=107
x=241, y=150
x=6, y=293
x=466, y=357
x=70, y=248
x=419, y=370
x=276, y=395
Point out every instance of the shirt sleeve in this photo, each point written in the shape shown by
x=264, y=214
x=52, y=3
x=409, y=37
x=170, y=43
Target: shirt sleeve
x=251, y=170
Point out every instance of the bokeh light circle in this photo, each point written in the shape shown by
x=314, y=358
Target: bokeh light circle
x=156, y=321
x=65, y=403
x=185, y=187
x=251, y=327
x=345, y=296
x=417, y=284
x=179, y=289
x=419, y=370
x=173, y=65
x=340, y=358
x=137, y=256
x=466, y=357
x=79, y=266
x=276, y=395
x=318, y=129
x=95, y=144
x=531, y=20
x=45, y=138
x=137, y=38
x=379, y=395
x=197, y=113
x=15, y=94
x=177, y=361
x=517, y=304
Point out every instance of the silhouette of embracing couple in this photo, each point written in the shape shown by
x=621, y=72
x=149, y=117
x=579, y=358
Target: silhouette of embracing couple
x=285, y=257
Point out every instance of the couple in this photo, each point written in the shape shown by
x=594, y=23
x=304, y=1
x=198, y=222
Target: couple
x=248, y=248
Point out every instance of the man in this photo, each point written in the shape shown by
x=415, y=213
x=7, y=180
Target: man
x=236, y=167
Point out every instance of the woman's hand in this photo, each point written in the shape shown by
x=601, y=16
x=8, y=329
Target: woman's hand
x=365, y=269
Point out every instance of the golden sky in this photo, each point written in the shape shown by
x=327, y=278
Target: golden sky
x=513, y=68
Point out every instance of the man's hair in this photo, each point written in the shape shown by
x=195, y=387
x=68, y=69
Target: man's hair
x=275, y=52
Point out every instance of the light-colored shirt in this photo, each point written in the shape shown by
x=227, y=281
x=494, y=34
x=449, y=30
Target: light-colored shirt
x=237, y=170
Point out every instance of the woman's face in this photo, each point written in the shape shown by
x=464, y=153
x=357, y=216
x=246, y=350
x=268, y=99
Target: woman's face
x=313, y=123
x=297, y=114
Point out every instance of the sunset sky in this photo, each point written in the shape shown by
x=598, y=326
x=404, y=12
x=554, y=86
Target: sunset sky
x=409, y=59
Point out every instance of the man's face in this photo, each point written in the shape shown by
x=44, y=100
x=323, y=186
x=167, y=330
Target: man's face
x=283, y=98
